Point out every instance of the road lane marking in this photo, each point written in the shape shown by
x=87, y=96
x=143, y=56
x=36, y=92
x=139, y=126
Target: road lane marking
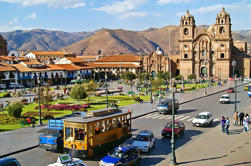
x=152, y=116
x=168, y=117
x=147, y=115
x=181, y=116
x=157, y=116
x=185, y=117
x=190, y=119
x=163, y=117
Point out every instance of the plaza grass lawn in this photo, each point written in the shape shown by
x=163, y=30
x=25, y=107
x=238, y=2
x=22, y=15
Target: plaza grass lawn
x=96, y=103
x=2, y=94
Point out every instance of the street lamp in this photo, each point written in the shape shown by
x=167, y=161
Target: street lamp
x=39, y=100
x=206, y=75
x=235, y=94
x=173, y=157
x=233, y=64
x=151, y=87
x=106, y=93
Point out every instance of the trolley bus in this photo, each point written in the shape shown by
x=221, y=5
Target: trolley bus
x=249, y=90
x=99, y=130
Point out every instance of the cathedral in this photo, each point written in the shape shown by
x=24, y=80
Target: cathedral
x=209, y=53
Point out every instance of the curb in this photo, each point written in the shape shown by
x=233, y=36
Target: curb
x=135, y=117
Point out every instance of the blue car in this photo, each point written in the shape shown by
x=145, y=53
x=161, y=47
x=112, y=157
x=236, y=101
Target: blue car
x=123, y=155
x=9, y=162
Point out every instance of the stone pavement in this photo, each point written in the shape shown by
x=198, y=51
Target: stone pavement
x=15, y=140
x=216, y=148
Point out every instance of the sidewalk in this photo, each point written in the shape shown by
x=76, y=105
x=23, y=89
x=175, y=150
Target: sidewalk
x=15, y=140
x=216, y=148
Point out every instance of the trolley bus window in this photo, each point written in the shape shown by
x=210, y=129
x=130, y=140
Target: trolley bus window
x=79, y=134
x=68, y=134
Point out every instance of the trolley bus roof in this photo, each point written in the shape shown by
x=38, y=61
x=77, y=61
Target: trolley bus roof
x=94, y=118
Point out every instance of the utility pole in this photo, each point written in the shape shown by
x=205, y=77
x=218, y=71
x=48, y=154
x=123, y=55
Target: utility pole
x=106, y=93
x=235, y=94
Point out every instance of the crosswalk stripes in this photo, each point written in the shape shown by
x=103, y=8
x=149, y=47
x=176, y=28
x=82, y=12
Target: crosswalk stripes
x=189, y=119
x=167, y=117
x=185, y=117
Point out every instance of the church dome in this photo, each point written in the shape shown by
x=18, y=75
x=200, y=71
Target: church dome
x=188, y=15
x=223, y=13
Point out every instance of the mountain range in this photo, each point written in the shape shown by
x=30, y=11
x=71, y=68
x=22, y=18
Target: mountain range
x=107, y=41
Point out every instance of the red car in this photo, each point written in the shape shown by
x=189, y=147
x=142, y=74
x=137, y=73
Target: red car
x=179, y=129
x=230, y=90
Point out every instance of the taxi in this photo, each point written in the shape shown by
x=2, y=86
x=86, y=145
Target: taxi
x=67, y=160
x=122, y=155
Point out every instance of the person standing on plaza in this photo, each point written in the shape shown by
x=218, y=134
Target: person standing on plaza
x=227, y=126
x=236, y=118
x=247, y=121
x=245, y=124
x=223, y=122
x=241, y=116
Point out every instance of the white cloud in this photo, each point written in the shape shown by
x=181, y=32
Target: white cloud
x=51, y=3
x=162, y=2
x=120, y=7
x=8, y=28
x=32, y=16
x=13, y=21
x=133, y=14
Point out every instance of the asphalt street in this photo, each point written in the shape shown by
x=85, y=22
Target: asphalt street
x=155, y=123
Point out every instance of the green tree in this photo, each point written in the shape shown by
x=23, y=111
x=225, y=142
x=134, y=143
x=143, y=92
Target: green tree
x=46, y=95
x=128, y=76
x=143, y=77
x=91, y=87
x=192, y=77
x=164, y=75
x=179, y=77
x=78, y=92
x=15, y=110
x=157, y=83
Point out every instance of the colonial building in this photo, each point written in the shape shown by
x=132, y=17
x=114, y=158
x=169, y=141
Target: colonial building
x=3, y=46
x=47, y=57
x=209, y=52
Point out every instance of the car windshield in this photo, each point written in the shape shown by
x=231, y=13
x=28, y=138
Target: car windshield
x=163, y=103
x=142, y=138
x=169, y=125
x=225, y=97
x=201, y=117
x=117, y=153
x=49, y=133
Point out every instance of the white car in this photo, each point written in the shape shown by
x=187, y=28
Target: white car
x=203, y=119
x=144, y=140
x=67, y=160
x=225, y=99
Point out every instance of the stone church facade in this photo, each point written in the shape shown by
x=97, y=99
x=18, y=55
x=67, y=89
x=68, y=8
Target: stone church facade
x=208, y=53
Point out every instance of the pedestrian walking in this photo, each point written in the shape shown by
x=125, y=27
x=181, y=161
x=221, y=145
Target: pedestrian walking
x=227, y=125
x=241, y=116
x=236, y=118
x=245, y=124
x=247, y=121
x=223, y=122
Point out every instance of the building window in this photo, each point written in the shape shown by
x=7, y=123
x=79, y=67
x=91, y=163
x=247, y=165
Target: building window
x=185, y=31
x=222, y=30
x=222, y=55
x=222, y=45
x=222, y=21
x=203, y=53
x=185, y=22
x=177, y=61
x=185, y=55
x=185, y=46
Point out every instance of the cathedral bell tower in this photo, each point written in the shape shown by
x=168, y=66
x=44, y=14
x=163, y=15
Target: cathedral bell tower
x=223, y=25
x=187, y=34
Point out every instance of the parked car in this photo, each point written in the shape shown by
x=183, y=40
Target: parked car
x=165, y=106
x=144, y=140
x=225, y=99
x=203, y=119
x=179, y=129
x=67, y=160
x=2, y=86
x=9, y=162
x=230, y=90
x=15, y=85
x=123, y=155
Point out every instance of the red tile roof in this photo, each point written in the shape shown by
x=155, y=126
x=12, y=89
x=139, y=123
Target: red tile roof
x=7, y=58
x=68, y=67
x=75, y=60
x=50, y=53
x=54, y=67
x=113, y=65
x=32, y=63
x=120, y=58
x=6, y=67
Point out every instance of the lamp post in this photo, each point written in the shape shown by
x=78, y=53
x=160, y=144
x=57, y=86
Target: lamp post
x=173, y=157
x=235, y=94
x=206, y=75
x=106, y=94
x=39, y=100
x=151, y=93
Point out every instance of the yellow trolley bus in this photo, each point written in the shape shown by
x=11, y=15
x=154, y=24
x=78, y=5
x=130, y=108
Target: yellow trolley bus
x=99, y=130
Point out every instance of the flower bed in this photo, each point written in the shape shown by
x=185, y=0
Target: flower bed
x=66, y=107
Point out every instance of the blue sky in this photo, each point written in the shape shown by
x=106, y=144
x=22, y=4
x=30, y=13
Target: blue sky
x=89, y=15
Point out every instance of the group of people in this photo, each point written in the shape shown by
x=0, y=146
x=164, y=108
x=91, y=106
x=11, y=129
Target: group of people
x=241, y=117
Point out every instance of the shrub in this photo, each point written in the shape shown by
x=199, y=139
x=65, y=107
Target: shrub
x=4, y=119
x=15, y=110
